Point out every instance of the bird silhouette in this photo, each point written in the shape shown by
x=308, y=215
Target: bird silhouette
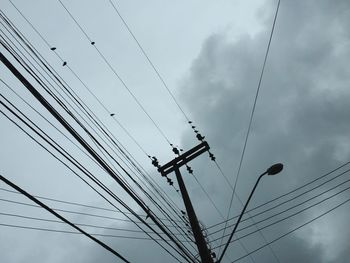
x=53, y=48
x=200, y=137
x=64, y=63
x=176, y=151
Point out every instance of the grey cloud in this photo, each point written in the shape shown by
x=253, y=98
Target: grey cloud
x=302, y=112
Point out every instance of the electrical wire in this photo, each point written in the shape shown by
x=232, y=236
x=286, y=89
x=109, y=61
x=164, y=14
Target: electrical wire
x=92, y=188
x=45, y=198
x=36, y=30
x=186, y=235
x=11, y=184
x=295, y=190
x=108, y=191
x=165, y=85
x=84, y=144
x=117, y=75
x=219, y=212
x=251, y=118
x=77, y=204
x=294, y=229
x=247, y=212
x=290, y=215
x=81, y=224
x=71, y=232
x=46, y=42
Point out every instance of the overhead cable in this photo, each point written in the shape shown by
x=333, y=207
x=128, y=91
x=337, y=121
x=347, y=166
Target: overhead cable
x=35, y=200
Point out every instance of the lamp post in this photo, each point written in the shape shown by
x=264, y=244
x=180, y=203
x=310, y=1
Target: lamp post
x=274, y=169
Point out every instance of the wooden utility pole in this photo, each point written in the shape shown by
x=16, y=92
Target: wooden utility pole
x=175, y=165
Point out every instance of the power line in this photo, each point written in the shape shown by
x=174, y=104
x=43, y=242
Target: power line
x=77, y=204
x=219, y=212
x=55, y=51
x=293, y=230
x=79, y=78
x=118, y=164
x=290, y=215
x=165, y=85
x=62, y=218
x=95, y=191
x=39, y=97
x=293, y=191
x=251, y=117
x=117, y=219
x=79, y=167
x=78, y=122
x=99, y=183
x=113, y=142
x=247, y=212
x=116, y=74
x=71, y=232
x=45, y=198
x=146, y=224
x=82, y=224
x=68, y=211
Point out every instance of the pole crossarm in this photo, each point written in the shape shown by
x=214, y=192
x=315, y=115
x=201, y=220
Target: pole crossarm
x=184, y=158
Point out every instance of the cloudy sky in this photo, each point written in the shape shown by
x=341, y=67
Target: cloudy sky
x=210, y=55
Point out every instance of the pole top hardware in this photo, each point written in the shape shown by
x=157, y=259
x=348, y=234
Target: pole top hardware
x=184, y=158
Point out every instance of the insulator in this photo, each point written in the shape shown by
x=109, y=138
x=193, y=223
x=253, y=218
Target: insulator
x=212, y=157
x=189, y=169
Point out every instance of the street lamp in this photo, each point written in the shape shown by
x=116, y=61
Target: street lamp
x=274, y=169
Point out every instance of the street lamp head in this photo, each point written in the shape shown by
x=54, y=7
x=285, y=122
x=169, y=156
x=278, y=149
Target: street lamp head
x=275, y=169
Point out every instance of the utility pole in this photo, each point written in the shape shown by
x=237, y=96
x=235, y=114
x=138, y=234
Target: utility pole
x=175, y=165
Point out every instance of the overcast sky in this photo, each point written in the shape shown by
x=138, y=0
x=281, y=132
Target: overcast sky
x=210, y=54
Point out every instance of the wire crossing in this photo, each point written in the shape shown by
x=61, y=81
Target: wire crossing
x=35, y=200
x=165, y=85
x=295, y=229
x=252, y=114
x=104, y=58
x=39, y=97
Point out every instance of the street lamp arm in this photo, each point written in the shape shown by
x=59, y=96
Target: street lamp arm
x=240, y=217
x=274, y=169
